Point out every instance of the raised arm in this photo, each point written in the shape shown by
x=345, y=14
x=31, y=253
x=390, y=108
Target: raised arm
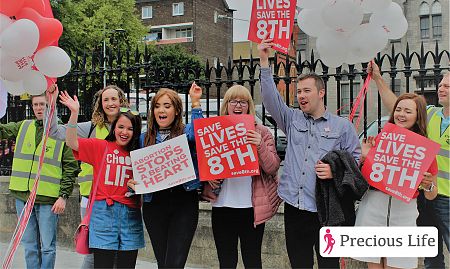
x=74, y=106
x=58, y=131
x=195, y=93
x=271, y=98
x=387, y=96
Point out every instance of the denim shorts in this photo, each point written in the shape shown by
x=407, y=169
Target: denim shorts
x=115, y=227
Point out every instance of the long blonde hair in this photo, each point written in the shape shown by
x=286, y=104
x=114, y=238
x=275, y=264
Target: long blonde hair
x=237, y=91
x=98, y=115
x=177, y=126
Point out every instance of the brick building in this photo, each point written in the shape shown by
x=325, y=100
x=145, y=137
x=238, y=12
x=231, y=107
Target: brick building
x=190, y=23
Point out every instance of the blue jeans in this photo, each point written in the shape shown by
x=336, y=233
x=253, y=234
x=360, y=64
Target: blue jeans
x=439, y=217
x=39, y=238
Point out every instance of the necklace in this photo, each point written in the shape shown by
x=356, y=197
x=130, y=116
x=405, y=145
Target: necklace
x=164, y=134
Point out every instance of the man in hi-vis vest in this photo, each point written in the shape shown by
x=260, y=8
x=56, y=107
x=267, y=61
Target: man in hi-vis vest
x=435, y=212
x=58, y=174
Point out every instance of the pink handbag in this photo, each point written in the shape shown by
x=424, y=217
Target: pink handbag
x=81, y=236
x=81, y=239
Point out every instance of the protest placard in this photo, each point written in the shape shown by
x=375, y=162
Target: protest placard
x=222, y=148
x=397, y=162
x=272, y=19
x=163, y=165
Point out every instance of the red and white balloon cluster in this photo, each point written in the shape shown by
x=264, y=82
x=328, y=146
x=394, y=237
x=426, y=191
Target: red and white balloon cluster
x=28, y=59
x=342, y=37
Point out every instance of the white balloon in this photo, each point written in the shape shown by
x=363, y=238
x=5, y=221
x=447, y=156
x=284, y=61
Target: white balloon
x=20, y=39
x=310, y=3
x=365, y=42
x=34, y=82
x=310, y=21
x=392, y=20
x=14, y=87
x=13, y=68
x=370, y=6
x=332, y=47
x=342, y=15
x=5, y=21
x=52, y=61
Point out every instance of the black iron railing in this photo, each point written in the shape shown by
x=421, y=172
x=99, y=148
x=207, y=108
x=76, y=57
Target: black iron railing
x=134, y=72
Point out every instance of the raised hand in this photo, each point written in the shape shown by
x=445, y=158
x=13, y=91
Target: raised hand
x=195, y=93
x=373, y=70
x=71, y=103
x=263, y=51
x=53, y=91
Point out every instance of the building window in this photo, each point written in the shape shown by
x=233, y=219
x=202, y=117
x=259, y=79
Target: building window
x=424, y=13
x=436, y=19
x=147, y=12
x=345, y=95
x=428, y=82
x=185, y=32
x=178, y=9
x=154, y=36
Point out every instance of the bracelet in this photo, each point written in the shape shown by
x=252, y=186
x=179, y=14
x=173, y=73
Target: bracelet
x=71, y=125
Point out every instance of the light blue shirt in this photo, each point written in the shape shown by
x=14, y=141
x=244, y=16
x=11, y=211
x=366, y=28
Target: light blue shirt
x=308, y=141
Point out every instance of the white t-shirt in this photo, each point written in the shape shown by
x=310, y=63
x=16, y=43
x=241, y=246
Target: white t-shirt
x=235, y=193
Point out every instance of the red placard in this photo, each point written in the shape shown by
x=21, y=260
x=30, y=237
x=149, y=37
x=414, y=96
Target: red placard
x=397, y=162
x=272, y=19
x=222, y=149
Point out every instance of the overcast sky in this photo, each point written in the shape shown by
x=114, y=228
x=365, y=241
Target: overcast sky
x=243, y=10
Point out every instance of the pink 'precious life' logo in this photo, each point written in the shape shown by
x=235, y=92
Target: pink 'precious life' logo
x=328, y=237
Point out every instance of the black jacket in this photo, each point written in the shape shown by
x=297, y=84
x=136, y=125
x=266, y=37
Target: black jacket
x=335, y=197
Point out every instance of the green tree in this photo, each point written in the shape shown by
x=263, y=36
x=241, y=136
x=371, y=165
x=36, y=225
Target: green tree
x=88, y=22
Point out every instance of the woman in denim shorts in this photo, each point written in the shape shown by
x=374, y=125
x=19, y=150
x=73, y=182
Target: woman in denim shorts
x=116, y=223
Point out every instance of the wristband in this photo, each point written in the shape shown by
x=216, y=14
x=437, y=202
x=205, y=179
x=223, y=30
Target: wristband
x=71, y=125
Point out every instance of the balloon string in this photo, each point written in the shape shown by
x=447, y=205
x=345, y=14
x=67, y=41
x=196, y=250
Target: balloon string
x=359, y=102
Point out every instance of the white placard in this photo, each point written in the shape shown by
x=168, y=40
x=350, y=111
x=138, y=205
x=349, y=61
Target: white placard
x=163, y=165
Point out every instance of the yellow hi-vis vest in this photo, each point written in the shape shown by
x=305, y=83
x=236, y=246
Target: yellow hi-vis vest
x=86, y=175
x=443, y=158
x=26, y=162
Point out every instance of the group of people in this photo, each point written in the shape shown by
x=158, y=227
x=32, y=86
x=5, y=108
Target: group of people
x=240, y=206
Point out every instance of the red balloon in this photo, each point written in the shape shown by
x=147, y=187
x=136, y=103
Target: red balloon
x=10, y=7
x=37, y=5
x=50, y=30
x=50, y=81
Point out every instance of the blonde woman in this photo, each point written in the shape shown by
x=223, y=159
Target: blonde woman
x=244, y=204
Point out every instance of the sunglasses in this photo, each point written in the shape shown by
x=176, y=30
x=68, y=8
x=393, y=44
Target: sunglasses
x=126, y=109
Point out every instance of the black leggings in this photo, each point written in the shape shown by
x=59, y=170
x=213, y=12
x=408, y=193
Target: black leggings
x=171, y=220
x=104, y=258
x=230, y=225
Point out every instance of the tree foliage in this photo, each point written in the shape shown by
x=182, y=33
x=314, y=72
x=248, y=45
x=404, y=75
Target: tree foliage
x=88, y=22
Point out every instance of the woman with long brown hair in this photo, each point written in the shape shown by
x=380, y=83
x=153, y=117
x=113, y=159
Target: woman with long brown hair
x=380, y=209
x=107, y=104
x=171, y=215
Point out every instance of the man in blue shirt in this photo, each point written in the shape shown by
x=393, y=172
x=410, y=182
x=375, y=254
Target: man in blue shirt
x=312, y=132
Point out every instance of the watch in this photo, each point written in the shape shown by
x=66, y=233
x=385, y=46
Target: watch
x=430, y=189
x=64, y=196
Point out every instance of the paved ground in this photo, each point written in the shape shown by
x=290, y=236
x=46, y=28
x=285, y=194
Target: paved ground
x=64, y=259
